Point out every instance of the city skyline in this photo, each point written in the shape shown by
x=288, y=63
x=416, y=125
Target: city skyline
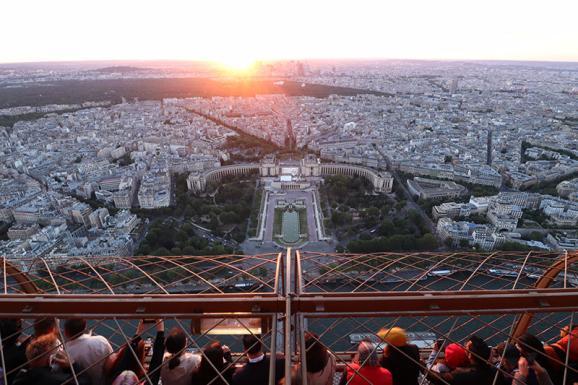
x=239, y=33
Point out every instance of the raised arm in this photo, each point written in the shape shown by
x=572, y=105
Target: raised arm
x=158, y=353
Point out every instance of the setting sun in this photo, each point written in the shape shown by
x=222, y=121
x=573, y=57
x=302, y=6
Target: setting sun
x=238, y=64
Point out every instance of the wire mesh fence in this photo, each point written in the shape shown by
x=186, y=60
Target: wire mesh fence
x=386, y=318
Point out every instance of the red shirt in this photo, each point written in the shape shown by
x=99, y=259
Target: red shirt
x=372, y=375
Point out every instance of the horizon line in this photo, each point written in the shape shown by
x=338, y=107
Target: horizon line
x=342, y=59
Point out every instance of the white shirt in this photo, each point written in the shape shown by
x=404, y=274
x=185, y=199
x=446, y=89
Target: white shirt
x=182, y=374
x=90, y=353
x=257, y=359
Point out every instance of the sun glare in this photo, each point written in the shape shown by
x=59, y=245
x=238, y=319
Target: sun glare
x=237, y=63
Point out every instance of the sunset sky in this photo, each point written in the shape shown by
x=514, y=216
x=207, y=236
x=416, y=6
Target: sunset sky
x=238, y=31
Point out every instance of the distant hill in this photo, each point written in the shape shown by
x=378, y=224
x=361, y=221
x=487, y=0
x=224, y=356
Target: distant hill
x=119, y=69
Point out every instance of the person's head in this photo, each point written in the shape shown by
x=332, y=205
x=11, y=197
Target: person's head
x=10, y=329
x=45, y=326
x=456, y=356
x=74, y=327
x=175, y=344
x=252, y=345
x=367, y=354
x=529, y=345
x=38, y=351
x=511, y=357
x=478, y=351
x=316, y=355
x=497, y=352
x=395, y=336
x=213, y=356
x=532, y=349
x=126, y=378
x=566, y=330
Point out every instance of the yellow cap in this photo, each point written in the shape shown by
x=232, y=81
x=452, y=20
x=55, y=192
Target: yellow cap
x=395, y=336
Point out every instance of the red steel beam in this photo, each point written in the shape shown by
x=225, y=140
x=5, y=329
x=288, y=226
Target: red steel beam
x=322, y=304
x=543, y=282
x=137, y=306
x=430, y=303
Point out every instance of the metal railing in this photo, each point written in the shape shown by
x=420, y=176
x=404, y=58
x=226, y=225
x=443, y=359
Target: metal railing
x=341, y=298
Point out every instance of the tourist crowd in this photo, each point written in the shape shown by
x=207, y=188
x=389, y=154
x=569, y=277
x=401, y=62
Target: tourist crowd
x=74, y=355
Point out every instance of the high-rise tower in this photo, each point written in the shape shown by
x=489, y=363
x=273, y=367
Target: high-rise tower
x=489, y=148
x=453, y=85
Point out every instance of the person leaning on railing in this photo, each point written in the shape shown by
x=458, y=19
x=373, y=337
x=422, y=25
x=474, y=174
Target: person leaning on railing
x=506, y=359
x=478, y=372
x=532, y=350
x=47, y=367
x=13, y=350
x=256, y=370
x=531, y=373
x=401, y=358
x=216, y=366
x=321, y=364
x=365, y=368
x=567, y=344
x=178, y=364
x=125, y=367
x=92, y=352
x=48, y=326
x=454, y=356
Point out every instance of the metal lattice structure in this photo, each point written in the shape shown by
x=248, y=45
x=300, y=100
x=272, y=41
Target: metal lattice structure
x=498, y=296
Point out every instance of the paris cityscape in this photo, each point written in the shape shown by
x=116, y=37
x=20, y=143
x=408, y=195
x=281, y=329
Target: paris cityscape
x=306, y=193
x=371, y=156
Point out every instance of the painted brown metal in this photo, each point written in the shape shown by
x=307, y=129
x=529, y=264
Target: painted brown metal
x=323, y=304
x=290, y=304
x=21, y=278
x=318, y=305
x=138, y=306
x=543, y=282
x=437, y=303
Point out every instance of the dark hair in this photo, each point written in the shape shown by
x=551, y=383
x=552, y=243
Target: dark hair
x=499, y=348
x=213, y=354
x=251, y=344
x=480, y=350
x=512, y=355
x=44, y=326
x=10, y=329
x=74, y=327
x=531, y=345
x=175, y=344
x=316, y=355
